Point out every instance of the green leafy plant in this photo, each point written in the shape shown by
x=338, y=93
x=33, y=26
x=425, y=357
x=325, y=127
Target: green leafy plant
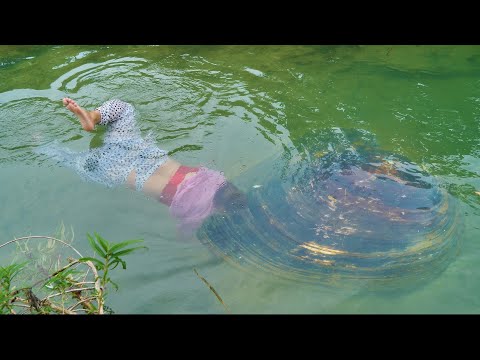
x=110, y=254
x=50, y=282
x=7, y=292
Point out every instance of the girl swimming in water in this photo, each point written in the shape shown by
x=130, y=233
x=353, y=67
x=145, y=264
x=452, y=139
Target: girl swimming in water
x=356, y=212
x=191, y=193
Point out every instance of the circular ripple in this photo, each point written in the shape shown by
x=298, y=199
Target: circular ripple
x=351, y=212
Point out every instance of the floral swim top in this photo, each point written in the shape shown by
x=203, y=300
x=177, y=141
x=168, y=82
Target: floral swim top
x=123, y=150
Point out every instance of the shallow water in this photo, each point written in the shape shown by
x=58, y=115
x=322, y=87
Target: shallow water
x=231, y=108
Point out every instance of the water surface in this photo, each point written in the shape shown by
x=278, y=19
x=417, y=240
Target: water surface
x=231, y=108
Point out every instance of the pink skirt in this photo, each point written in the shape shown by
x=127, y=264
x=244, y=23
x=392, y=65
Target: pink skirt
x=193, y=201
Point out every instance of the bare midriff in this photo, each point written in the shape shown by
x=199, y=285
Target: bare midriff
x=159, y=179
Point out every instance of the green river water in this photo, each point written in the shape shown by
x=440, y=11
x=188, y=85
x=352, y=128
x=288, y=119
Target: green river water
x=230, y=108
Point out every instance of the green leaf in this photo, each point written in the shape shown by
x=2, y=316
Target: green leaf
x=114, y=284
x=123, y=244
x=115, y=263
x=63, y=278
x=119, y=261
x=103, y=242
x=96, y=262
x=95, y=247
x=7, y=273
x=128, y=251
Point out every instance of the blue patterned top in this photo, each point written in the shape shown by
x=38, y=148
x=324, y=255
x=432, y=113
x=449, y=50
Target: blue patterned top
x=123, y=150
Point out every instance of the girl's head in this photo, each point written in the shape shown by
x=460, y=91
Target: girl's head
x=229, y=198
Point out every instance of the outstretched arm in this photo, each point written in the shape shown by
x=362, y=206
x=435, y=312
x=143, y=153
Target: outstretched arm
x=88, y=119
